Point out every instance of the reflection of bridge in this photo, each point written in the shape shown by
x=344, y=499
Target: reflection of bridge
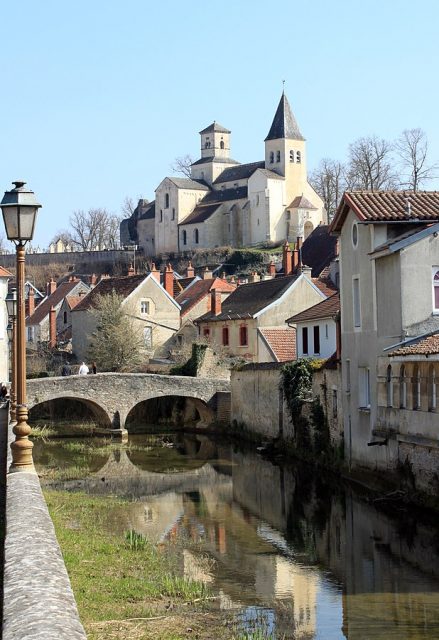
x=111, y=396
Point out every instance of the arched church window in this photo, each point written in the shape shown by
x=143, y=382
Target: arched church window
x=435, y=288
x=292, y=155
x=184, y=237
x=161, y=215
x=271, y=157
x=166, y=200
x=298, y=157
x=277, y=156
x=222, y=144
x=196, y=236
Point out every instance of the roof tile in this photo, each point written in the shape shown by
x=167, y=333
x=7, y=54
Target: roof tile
x=282, y=343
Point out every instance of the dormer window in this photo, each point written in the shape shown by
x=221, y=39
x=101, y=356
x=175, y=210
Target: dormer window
x=277, y=156
x=166, y=200
x=271, y=157
x=292, y=155
x=298, y=157
x=436, y=289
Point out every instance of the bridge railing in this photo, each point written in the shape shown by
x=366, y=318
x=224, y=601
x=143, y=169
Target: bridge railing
x=38, y=601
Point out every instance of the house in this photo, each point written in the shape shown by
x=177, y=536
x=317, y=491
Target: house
x=42, y=325
x=5, y=276
x=224, y=202
x=196, y=299
x=236, y=324
x=317, y=328
x=152, y=307
x=389, y=275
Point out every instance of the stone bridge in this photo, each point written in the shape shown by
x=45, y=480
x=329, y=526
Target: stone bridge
x=111, y=396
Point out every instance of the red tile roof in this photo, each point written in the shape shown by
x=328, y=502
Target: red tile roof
x=180, y=284
x=73, y=301
x=385, y=206
x=421, y=346
x=4, y=273
x=282, y=343
x=325, y=286
x=123, y=286
x=43, y=309
x=199, y=290
x=326, y=309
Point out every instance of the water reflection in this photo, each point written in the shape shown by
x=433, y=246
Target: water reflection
x=295, y=553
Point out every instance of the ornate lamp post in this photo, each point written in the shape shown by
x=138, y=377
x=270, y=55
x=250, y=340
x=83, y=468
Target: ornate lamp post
x=11, y=305
x=19, y=208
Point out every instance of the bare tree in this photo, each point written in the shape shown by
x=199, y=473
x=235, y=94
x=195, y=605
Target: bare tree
x=94, y=229
x=370, y=165
x=63, y=235
x=127, y=207
x=329, y=182
x=182, y=165
x=411, y=149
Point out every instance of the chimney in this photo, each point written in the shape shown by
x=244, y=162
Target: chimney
x=224, y=276
x=207, y=275
x=299, y=242
x=168, y=280
x=92, y=280
x=306, y=270
x=30, y=301
x=190, y=271
x=155, y=272
x=232, y=280
x=254, y=277
x=272, y=269
x=215, y=302
x=295, y=262
x=131, y=271
x=286, y=259
x=52, y=327
x=50, y=287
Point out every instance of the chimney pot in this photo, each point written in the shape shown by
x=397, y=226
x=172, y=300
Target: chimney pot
x=30, y=301
x=52, y=327
x=215, y=302
x=190, y=271
x=155, y=272
x=50, y=287
x=287, y=259
x=207, y=275
x=168, y=280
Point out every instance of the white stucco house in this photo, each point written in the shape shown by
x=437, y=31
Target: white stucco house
x=316, y=329
x=224, y=202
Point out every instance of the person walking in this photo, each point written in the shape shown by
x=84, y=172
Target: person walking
x=83, y=369
x=66, y=370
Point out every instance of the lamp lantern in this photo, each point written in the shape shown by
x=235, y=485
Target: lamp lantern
x=11, y=303
x=19, y=207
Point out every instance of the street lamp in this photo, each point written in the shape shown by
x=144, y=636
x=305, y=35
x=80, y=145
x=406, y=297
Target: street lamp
x=11, y=306
x=19, y=208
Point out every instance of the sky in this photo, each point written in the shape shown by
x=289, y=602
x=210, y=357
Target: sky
x=100, y=96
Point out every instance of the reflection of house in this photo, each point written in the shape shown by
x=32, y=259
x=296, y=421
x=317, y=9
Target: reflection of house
x=259, y=305
x=153, y=309
x=389, y=256
x=228, y=203
x=44, y=323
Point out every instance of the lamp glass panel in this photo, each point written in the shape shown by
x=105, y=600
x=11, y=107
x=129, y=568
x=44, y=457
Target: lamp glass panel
x=10, y=304
x=10, y=216
x=10, y=331
x=27, y=222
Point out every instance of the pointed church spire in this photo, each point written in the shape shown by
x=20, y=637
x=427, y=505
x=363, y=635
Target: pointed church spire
x=284, y=124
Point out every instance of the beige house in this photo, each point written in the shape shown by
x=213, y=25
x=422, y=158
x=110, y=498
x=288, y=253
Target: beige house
x=240, y=325
x=225, y=202
x=154, y=310
x=389, y=274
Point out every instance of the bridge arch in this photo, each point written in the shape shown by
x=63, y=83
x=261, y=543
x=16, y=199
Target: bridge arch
x=97, y=412
x=168, y=409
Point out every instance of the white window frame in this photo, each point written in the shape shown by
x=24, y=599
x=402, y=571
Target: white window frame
x=146, y=311
x=147, y=337
x=433, y=287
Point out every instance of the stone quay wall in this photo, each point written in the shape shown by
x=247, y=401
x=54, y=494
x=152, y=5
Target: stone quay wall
x=38, y=602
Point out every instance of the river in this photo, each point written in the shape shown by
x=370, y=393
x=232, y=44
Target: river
x=293, y=552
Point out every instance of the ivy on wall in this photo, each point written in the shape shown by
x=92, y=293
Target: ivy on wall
x=191, y=367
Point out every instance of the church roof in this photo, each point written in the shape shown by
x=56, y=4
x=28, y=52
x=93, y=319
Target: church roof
x=218, y=159
x=211, y=202
x=222, y=195
x=215, y=127
x=300, y=202
x=148, y=212
x=188, y=183
x=241, y=172
x=200, y=214
x=284, y=124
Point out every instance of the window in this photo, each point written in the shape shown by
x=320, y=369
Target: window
x=334, y=404
x=65, y=317
x=144, y=306
x=196, y=236
x=147, y=337
x=222, y=144
x=225, y=336
x=389, y=386
x=258, y=222
x=416, y=388
x=271, y=157
x=316, y=331
x=257, y=199
x=432, y=389
x=292, y=155
x=298, y=157
x=356, y=301
x=402, y=388
x=348, y=376
x=166, y=200
x=305, y=340
x=173, y=213
x=243, y=338
x=354, y=234
x=206, y=333
x=326, y=331
x=277, y=156
x=161, y=215
x=364, y=387
x=184, y=237
x=436, y=289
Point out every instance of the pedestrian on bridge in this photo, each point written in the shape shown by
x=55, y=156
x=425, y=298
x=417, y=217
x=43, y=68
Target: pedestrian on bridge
x=83, y=369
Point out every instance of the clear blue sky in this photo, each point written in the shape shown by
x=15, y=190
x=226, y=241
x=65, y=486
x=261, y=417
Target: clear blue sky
x=99, y=96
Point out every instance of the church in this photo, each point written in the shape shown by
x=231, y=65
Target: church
x=226, y=203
